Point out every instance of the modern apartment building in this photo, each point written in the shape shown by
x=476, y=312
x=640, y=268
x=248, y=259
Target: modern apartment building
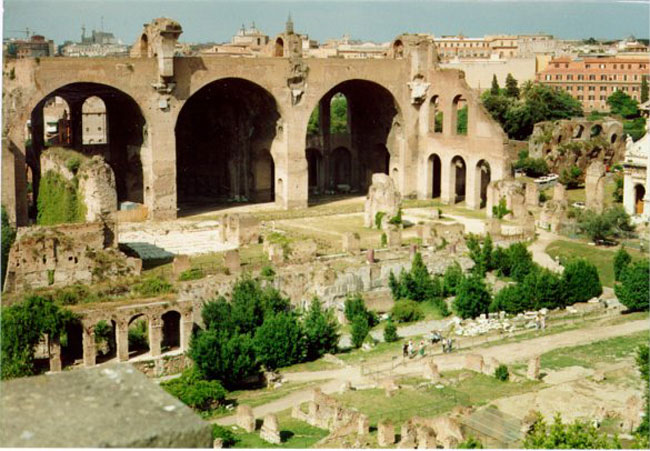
x=593, y=80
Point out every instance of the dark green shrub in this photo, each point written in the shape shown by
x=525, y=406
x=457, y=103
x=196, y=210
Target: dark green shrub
x=360, y=330
x=226, y=435
x=451, y=279
x=470, y=443
x=218, y=355
x=267, y=272
x=379, y=216
x=397, y=219
x=22, y=326
x=384, y=240
x=153, y=286
x=473, y=298
x=511, y=299
x=139, y=336
x=356, y=306
x=191, y=274
x=321, y=331
x=195, y=392
x=501, y=373
x=279, y=341
x=390, y=332
x=406, y=311
x=74, y=294
x=73, y=163
x=501, y=209
x=621, y=260
x=580, y=281
x=634, y=288
x=578, y=435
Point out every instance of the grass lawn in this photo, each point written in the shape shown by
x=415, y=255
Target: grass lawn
x=316, y=365
x=601, y=351
x=294, y=434
x=414, y=399
x=602, y=257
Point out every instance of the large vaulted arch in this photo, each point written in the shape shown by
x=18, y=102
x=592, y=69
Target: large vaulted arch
x=369, y=128
x=120, y=145
x=224, y=141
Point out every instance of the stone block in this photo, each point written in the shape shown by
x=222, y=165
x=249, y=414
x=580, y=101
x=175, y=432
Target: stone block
x=595, y=186
x=431, y=371
x=370, y=256
x=245, y=418
x=532, y=194
x=394, y=236
x=180, y=264
x=385, y=433
x=408, y=436
x=426, y=438
x=533, y=368
x=276, y=254
x=383, y=196
x=559, y=192
x=363, y=425
x=474, y=362
x=303, y=251
x=217, y=443
x=351, y=243
x=232, y=261
x=270, y=431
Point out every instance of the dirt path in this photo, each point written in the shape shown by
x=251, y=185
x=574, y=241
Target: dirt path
x=538, y=249
x=506, y=353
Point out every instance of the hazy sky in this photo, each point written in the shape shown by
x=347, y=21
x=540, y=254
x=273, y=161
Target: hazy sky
x=216, y=20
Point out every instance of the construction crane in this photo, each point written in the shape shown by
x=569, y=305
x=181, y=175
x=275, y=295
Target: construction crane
x=26, y=31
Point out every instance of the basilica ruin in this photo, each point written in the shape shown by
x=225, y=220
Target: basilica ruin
x=182, y=133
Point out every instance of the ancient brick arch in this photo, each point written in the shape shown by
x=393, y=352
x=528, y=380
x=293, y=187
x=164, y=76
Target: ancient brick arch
x=154, y=312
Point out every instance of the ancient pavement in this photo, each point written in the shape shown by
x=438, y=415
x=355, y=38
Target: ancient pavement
x=506, y=353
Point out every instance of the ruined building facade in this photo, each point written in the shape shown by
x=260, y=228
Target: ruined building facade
x=191, y=131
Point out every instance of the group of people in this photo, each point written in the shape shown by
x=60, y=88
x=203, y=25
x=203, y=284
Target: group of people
x=408, y=349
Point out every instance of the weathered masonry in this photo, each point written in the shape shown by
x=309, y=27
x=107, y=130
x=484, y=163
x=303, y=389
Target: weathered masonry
x=188, y=131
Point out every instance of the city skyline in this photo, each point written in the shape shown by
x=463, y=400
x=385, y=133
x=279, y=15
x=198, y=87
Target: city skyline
x=322, y=21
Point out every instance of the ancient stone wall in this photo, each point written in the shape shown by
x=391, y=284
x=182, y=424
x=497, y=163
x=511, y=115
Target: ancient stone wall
x=65, y=254
x=577, y=142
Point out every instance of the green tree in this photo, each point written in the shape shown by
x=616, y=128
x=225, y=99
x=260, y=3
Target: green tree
x=497, y=105
x=613, y=222
x=634, y=286
x=320, y=329
x=617, y=194
x=338, y=114
x=512, y=90
x=577, y=435
x=571, y=177
x=473, y=297
x=538, y=103
x=219, y=355
x=495, y=90
x=644, y=88
x=247, y=305
x=451, y=279
x=22, y=325
x=621, y=103
x=511, y=299
x=194, y=391
x=217, y=315
x=360, y=330
x=355, y=306
x=580, y=281
x=8, y=237
x=621, y=260
x=390, y=332
x=543, y=288
x=279, y=341
x=313, y=126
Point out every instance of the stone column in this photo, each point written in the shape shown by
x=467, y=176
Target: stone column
x=291, y=164
x=628, y=193
x=159, y=167
x=472, y=186
x=76, y=124
x=55, y=355
x=447, y=179
x=14, y=181
x=89, y=346
x=155, y=336
x=186, y=331
x=122, y=340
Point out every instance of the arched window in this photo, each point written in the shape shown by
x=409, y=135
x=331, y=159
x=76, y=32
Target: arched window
x=94, y=122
